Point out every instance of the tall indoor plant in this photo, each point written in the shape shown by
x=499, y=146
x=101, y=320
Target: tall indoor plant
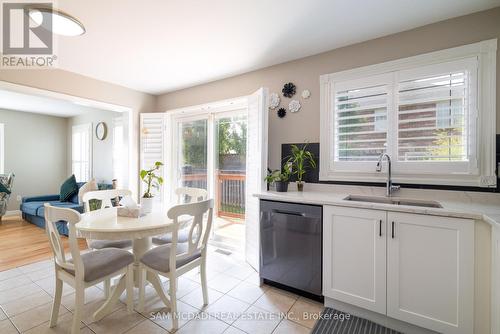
x=153, y=181
x=301, y=160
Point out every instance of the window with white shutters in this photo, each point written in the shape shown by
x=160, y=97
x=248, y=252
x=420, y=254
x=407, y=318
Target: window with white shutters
x=433, y=114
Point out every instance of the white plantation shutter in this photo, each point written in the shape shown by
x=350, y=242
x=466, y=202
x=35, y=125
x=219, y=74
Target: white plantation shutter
x=81, y=152
x=433, y=114
x=361, y=122
x=255, y=171
x=152, y=146
x=436, y=116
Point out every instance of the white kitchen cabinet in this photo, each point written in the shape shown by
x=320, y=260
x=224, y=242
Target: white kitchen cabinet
x=354, y=257
x=430, y=271
x=411, y=267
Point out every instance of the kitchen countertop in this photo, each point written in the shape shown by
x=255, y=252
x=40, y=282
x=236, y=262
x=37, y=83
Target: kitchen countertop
x=477, y=206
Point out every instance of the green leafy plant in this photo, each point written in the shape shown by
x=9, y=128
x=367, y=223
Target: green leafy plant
x=279, y=176
x=301, y=160
x=151, y=179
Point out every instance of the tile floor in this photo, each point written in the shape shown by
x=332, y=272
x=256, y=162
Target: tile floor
x=237, y=304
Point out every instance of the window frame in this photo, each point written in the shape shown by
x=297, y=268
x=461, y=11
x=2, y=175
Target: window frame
x=81, y=128
x=480, y=171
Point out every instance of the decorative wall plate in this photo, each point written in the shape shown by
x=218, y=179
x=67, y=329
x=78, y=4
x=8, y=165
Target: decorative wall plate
x=274, y=100
x=289, y=90
x=294, y=106
x=101, y=131
x=306, y=93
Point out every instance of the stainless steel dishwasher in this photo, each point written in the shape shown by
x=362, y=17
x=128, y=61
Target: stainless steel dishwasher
x=291, y=245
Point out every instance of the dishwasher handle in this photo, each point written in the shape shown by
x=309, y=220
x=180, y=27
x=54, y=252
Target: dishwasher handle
x=290, y=213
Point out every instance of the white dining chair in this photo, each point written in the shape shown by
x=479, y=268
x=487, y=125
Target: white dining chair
x=185, y=195
x=176, y=259
x=106, y=197
x=82, y=270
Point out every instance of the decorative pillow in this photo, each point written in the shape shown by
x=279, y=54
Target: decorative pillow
x=4, y=189
x=68, y=189
x=89, y=186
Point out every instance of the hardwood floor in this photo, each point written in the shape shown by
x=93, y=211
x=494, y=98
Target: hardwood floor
x=24, y=243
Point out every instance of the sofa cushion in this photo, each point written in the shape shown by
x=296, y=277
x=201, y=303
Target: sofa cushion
x=68, y=189
x=59, y=204
x=31, y=208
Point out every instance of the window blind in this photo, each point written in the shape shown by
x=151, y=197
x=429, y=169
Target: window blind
x=361, y=123
x=432, y=117
x=151, y=140
x=152, y=144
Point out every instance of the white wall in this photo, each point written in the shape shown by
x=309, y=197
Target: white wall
x=102, y=150
x=35, y=151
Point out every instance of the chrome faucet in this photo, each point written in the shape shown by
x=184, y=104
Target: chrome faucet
x=389, y=187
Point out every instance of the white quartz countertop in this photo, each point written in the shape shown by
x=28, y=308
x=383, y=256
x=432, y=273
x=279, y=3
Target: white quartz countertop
x=477, y=206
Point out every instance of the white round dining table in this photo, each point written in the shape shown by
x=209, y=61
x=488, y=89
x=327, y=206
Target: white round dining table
x=105, y=224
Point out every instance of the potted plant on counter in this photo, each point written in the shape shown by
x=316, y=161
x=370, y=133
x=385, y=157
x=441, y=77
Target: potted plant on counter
x=280, y=178
x=152, y=180
x=301, y=159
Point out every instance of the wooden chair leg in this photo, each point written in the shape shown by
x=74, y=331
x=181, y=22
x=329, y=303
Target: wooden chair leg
x=79, y=301
x=203, y=276
x=130, y=288
x=142, y=288
x=107, y=288
x=173, y=303
x=56, y=304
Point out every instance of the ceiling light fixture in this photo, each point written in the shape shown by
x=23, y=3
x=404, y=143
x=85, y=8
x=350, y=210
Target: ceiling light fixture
x=62, y=23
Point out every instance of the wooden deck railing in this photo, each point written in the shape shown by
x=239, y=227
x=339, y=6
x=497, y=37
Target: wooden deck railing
x=229, y=191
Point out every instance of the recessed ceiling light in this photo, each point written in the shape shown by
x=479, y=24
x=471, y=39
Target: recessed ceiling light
x=62, y=23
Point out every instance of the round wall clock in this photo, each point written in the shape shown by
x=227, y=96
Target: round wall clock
x=101, y=131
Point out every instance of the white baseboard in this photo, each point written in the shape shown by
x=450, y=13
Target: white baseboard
x=12, y=213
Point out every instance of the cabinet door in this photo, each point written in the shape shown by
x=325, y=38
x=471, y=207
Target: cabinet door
x=354, y=256
x=430, y=271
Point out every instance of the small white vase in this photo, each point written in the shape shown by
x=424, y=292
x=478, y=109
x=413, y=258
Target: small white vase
x=146, y=205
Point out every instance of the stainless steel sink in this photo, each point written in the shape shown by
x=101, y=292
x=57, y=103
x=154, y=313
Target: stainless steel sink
x=393, y=201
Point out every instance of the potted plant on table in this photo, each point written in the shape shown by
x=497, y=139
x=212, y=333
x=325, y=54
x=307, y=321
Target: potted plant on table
x=152, y=180
x=280, y=178
x=301, y=160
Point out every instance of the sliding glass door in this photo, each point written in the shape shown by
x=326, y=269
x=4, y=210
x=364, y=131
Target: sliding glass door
x=230, y=171
x=192, y=153
x=210, y=153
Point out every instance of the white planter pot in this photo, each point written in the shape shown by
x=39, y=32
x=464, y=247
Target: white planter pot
x=146, y=205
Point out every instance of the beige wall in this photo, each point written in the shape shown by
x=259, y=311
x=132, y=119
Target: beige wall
x=34, y=140
x=305, y=73
x=77, y=85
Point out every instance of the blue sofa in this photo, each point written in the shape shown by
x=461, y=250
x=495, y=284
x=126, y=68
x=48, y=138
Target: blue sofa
x=33, y=211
